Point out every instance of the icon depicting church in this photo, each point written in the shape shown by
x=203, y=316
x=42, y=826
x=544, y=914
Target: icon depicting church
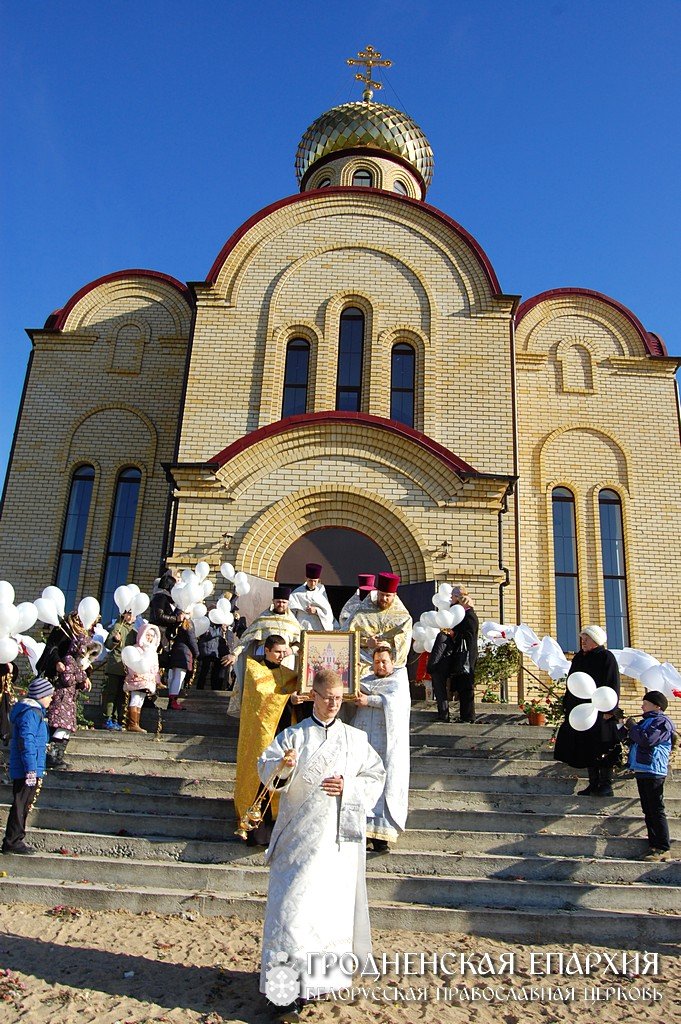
x=351, y=382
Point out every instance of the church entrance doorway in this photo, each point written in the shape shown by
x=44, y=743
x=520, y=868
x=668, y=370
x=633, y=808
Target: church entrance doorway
x=342, y=552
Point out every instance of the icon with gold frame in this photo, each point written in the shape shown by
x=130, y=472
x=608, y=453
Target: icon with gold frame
x=336, y=651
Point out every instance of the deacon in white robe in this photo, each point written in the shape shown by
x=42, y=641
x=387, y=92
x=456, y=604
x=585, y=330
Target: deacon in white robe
x=309, y=603
x=366, y=583
x=317, y=899
x=383, y=710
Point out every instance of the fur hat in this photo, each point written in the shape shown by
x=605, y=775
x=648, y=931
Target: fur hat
x=657, y=698
x=597, y=634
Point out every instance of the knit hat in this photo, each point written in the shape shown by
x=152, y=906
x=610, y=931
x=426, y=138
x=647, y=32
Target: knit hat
x=40, y=687
x=387, y=582
x=313, y=571
x=366, y=582
x=597, y=634
x=281, y=593
x=657, y=698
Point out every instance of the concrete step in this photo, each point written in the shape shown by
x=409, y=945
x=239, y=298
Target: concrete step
x=422, y=844
x=584, y=924
x=406, y=865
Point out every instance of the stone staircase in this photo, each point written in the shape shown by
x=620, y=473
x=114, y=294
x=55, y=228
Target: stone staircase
x=498, y=844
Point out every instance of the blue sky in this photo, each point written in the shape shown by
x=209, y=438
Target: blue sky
x=141, y=134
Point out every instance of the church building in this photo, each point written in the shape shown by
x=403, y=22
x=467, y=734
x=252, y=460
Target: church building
x=350, y=384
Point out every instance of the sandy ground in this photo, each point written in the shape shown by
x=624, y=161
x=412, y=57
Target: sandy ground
x=70, y=967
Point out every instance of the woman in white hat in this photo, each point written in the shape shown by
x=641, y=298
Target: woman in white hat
x=593, y=748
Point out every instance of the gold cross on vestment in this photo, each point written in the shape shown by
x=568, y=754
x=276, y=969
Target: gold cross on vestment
x=369, y=58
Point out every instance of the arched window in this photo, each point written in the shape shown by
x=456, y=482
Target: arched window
x=614, y=569
x=120, y=538
x=400, y=187
x=565, y=568
x=402, y=384
x=362, y=178
x=295, y=377
x=350, y=352
x=324, y=183
x=73, y=536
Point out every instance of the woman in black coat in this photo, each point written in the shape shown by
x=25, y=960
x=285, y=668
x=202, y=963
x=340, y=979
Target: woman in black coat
x=452, y=661
x=594, y=747
x=183, y=655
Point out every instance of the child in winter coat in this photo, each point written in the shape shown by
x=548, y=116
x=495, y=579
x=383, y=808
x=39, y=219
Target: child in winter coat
x=70, y=677
x=651, y=741
x=141, y=672
x=27, y=748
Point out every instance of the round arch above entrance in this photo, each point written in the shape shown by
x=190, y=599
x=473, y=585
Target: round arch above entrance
x=342, y=552
x=264, y=543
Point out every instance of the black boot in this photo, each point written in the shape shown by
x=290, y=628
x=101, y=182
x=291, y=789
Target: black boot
x=443, y=711
x=604, y=780
x=55, y=760
x=593, y=784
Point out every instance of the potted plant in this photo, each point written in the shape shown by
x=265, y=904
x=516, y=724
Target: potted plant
x=494, y=667
x=536, y=711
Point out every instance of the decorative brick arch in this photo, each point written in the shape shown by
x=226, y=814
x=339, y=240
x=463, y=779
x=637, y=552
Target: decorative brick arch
x=263, y=543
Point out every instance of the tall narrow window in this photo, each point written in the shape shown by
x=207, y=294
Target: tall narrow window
x=73, y=537
x=295, y=378
x=362, y=178
x=350, y=352
x=565, y=568
x=120, y=538
x=614, y=569
x=402, y=384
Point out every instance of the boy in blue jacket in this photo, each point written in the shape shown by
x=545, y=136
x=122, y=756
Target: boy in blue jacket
x=27, y=749
x=651, y=744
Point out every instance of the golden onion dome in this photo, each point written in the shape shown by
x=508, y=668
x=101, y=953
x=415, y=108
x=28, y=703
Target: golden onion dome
x=366, y=125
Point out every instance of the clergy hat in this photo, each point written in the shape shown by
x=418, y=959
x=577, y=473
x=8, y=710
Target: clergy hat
x=597, y=634
x=281, y=593
x=657, y=698
x=387, y=582
x=313, y=571
x=366, y=582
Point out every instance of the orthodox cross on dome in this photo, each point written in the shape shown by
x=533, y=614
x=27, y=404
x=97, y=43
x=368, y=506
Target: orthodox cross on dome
x=368, y=59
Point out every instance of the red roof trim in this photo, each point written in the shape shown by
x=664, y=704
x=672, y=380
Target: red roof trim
x=336, y=190
x=57, y=320
x=358, y=419
x=653, y=344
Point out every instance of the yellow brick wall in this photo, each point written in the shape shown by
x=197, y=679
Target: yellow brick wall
x=104, y=391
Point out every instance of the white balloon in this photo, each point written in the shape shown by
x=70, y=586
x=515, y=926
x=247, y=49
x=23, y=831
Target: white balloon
x=56, y=595
x=28, y=614
x=9, y=650
x=445, y=589
x=201, y=624
x=199, y=610
x=9, y=619
x=459, y=613
x=429, y=620
x=419, y=647
x=207, y=588
x=201, y=569
x=580, y=684
x=88, y=610
x=441, y=601
x=242, y=588
x=47, y=611
x=6, y=592
x=604, y=698
x=188, y=576
x=123, y=598
x=240, y=577
x=653, y=678
x=181, y=596
x=228, y=571
x=583, y=716
x=445, y=618
x=133, y=588
x=139, y=605
x=419, y=631
x=132, y=658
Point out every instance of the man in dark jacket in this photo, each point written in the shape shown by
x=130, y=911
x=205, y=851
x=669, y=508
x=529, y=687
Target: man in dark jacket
x=27, y=755
x=452, y=661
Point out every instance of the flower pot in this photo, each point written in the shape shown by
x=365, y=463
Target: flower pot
x=536, y=718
